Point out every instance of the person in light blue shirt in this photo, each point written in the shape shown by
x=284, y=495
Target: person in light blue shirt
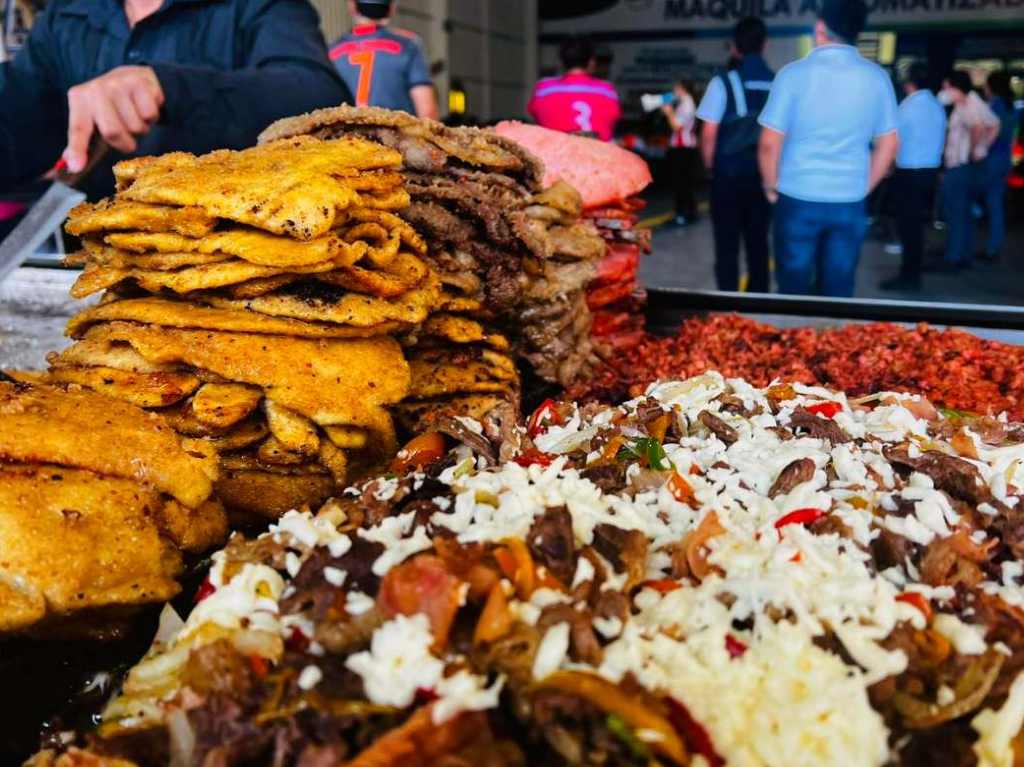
x=828, y=138
x=922, y=131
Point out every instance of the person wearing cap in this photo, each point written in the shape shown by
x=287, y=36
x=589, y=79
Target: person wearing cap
x=739, y=208
x=155, y=76
x=922, y=130
x=973, y=128
x=383, y=65
x=576, y=102
x=829, y=136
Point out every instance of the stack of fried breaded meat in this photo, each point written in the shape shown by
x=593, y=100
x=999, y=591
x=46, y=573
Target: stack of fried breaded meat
x=254, y=299
x=508, y=252
x=98, y=501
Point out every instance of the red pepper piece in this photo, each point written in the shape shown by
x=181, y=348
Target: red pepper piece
x=425, y=695
x=297, y=640
x=662, y=585
x=693, y=732
x=735, y=647
x=800, y=517
x=826, y=409
x=534, y=456
x=259, y=664
x=682, y=491
x=205, y=589
x=546, y=413
x=918, y=600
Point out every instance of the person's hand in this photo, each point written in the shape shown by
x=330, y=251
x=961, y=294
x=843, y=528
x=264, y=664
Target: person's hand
x=120, y=105
x=771, y=194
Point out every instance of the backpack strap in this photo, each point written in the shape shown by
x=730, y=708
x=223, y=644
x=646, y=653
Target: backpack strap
x=738, y=94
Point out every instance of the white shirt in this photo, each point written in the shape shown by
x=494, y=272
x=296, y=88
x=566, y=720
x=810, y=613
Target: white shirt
x=974, y=111
x=686, y=115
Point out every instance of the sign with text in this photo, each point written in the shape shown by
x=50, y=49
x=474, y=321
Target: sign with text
x=638, y=16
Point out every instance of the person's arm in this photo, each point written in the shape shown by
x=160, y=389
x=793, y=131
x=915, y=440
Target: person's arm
x=775, y=121
x=421, y=87
x=886, y=141
x=711, y=111
x=769, y=150
x=883, y=154
x=984, y=132
x=285, y=72
x=670, y=115
x=33, y=119
x=708, y=140
x=424, y=101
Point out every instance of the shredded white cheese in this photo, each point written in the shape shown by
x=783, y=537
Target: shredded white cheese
x=399, y=662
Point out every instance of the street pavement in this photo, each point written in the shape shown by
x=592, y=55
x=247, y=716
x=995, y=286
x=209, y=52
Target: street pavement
x=684, y=257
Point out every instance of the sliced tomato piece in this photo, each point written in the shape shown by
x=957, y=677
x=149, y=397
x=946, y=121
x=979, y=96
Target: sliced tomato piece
x=681, y=490
x=422, y=585
x=735, y=647
x=419, y=452
x=206, y=588
x=918, y=600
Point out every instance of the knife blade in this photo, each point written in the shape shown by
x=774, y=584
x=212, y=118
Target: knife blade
x=41, y=221
x=48, y=213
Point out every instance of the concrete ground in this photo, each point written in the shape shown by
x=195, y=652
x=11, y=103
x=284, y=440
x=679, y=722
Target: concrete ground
x=684, y=257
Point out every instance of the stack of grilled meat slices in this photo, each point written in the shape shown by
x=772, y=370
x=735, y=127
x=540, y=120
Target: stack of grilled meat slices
x=509, y=253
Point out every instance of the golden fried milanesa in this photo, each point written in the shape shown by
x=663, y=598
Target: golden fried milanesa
x=96, y=352
x=73, y=541
x=181, y=314
x=336, y=381
x=207, y=276
x=268, y=494
x=97, y=254
x=112, y=215
x=402, y=275
x=247, y=244
x=317, y=302
x=86, y=430
x=294, y=187
x=462, y=330
x=98, y=500
x=157, y=389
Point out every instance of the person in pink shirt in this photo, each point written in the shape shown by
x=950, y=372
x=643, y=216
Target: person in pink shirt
x=576, y=102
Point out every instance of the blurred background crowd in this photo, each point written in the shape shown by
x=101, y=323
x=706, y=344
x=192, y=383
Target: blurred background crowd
x=830, y=147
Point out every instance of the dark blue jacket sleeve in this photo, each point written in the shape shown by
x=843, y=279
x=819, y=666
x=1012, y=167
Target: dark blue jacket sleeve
x=33, y=109
x=285, y=72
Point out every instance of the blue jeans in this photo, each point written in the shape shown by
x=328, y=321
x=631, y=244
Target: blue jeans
x=959, y=189
x=817, y=245
x=993, y=196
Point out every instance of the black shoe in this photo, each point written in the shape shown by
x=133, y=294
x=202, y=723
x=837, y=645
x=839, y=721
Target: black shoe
x=902, y=283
